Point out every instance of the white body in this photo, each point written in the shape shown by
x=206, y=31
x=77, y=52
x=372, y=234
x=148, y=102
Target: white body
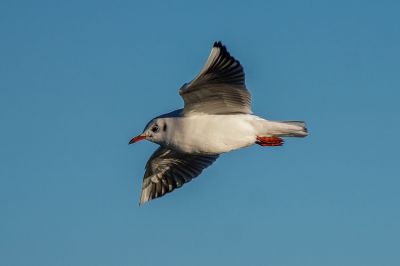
x=215, y=134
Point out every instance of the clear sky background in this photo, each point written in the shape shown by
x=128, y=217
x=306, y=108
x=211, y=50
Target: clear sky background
x=78, y=79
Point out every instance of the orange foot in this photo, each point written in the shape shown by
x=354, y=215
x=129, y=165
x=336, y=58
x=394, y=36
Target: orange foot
x=269, y=141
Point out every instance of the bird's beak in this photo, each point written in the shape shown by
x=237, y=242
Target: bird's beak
x=137, y=138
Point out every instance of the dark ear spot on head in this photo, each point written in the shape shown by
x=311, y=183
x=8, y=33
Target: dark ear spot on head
x=165, y=127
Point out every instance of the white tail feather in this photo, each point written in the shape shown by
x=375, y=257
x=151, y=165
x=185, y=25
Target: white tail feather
x=285, y=128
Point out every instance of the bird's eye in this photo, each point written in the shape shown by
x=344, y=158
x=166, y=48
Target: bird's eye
x=154, y=128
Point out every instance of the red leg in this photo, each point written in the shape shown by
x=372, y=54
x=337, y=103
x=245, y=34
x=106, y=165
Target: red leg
x=269, y=141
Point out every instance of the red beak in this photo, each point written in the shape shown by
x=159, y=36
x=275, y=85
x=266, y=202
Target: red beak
x=137, y=138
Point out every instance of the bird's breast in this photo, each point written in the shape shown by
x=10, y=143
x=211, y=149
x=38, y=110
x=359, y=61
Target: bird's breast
x=210, y=134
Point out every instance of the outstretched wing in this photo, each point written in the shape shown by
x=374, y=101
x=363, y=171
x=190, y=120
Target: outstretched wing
x=168, y=169
x=219, y=88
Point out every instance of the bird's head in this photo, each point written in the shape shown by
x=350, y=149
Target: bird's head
x=154, y=131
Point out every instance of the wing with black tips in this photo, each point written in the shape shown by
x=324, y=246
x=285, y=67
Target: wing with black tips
x=219, y=88
x=168, y=169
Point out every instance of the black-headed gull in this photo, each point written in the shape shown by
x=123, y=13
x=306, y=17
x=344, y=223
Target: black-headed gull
x=216, y=118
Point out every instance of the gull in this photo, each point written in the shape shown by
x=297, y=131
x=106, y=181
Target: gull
x=216, y=119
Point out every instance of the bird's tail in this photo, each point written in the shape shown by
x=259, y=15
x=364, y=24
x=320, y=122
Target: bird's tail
x=286, y=128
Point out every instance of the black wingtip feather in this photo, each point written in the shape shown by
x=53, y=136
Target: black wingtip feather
x=218, y=44
x=224, y=50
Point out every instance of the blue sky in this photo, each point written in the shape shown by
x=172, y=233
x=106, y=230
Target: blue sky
x=78, y=79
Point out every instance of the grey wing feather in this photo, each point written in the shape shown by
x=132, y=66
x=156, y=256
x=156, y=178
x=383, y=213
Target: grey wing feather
x=219, y=88
x=168, y=169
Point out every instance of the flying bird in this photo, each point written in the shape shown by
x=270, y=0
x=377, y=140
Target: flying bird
x=216, y=119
